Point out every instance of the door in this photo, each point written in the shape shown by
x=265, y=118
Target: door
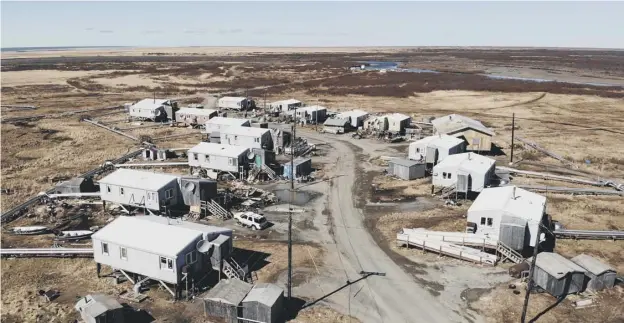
x=258, y=160
x=462, y=183
x=432, y=155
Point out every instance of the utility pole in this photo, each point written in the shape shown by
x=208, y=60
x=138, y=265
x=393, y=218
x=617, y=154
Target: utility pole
x=531, y=270
x=513, y=130
x=292, y=198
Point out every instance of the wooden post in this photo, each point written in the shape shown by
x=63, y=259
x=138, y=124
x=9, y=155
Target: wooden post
x=513, y=128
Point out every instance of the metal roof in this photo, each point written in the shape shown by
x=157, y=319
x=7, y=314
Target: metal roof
x=196, y=111
x=556, y=265
x=438, y=141
x=139, y=179
x=397, y=117
x=298, y=161
x=95, y=305
x=150, y=104
x=231, y=291
x=454, y=122
x=592, y=264
x=311, y=108
x=336, y=122
x=264, y=293
x=353, y=113
x=511, y=200
x=209, y=148
x=467, y=162
x=227, y=121
x=232, y=98
x=157, y=235
x=245, y=131
x=286, y=102
x=403, y=162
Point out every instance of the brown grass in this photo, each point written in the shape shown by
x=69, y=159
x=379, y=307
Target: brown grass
x=322, y=314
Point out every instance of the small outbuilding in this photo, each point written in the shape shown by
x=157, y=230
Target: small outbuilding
x=152, y=109
x=397, y=122
x=434, y=149
x=336, y=125
x=285, y=105
x=376, y=123
x=312, y=114
x=235, y=103
x=303, y=167
x=217, y=124
x=139, y=188
x=194, y=116
x=478, y=137
x=224, y=299
x=468, y=172
x=558, y=275
x=196, y=190
x=601, y=275
x=76, y=185
x=249, y=137
x=100, y=308
x=356, y=117
x=406, y=169
x=225, y=158
x=264, y=303
x=510, y=213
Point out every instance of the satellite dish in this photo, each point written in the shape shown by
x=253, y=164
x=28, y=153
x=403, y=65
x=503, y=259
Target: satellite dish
x=158, y=113
x=203, y=246
x=251, y=155
x=189, y=186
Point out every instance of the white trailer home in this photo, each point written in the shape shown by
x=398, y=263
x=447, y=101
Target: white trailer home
x=397, y=122
x=152, y=109
x=219, y=157
x=434, y=149
x=234, y=103
x=194, y=116
x=477, y=136
x=510, y=213
x=285, y=105
x=216, y=124
x=312, y=114
x=467, y=172
x=356, y=117
x=159, y=248
x=139, y=188
x=249, y=137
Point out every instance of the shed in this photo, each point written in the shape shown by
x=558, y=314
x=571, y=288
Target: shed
x=303, y=167
x=601, y=275
x=264, y=303
x=195, y=116
x=195, y=190
x=510, y=213
x=285, y=105
x=152, y=109
x=406, y=169
x=235, y=103
x=376, y=123
x=100, y=308
x=312, y=114
x=155, y=247
x=356, y=117
x=336, y=125
x=221, y=123
x=224, y=299
x=219, y=157
x=397, y=122
x=140, y=188
x=249, y=137
x=434, y=149
x=76, y=185
x=557, y=275
x=468, y=172
x=478, y=137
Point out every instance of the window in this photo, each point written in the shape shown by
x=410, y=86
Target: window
x=207, y=158
x=417, y=150
x=191, y=257
x=195, y=156
x=489, y=222
x=105, y=248
x=149, y=196
x=444, y=175
x=232, y=162
x=166, y=263
x=449, y=175
x=482, y=221
x=256, y=139
x=123, y=253
x=476, y=141
x=108, y=188
x=121, y=191
x=169, y=193
x=235, y=137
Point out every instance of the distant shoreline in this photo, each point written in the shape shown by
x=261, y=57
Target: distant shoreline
x=56, y=48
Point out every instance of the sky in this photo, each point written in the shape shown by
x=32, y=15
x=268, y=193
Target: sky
x=298, y=23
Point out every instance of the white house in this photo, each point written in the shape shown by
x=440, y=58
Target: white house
x=397, y=122
x=219, y=123
x=139, y=188
x=285, y=105
x=356, y=117
x=510, y=213
x=434, y=149
x=234, y=103
x=468, y=172
x=157, y=247
x=249, y=137
x=477, y=136
x=152, y=109
x=312, y=114
x=194, y=116
x=219, y=157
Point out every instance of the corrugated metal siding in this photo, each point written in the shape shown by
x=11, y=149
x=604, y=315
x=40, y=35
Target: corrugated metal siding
x=226, y=311
x=260, y=312
x=569, y=284
x=514, y=233
x=406, y=172
x=600, y=282
x=202, y=190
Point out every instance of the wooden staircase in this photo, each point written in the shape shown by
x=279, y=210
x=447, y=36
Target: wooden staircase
x=234, y=271
x=215, y=209
x=447, y=191
x=507, y=253
x=269, y=171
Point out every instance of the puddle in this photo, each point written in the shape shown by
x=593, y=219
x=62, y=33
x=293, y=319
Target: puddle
x=300, y=197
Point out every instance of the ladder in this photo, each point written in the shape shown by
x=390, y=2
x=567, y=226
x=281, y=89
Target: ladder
x=215, y=209
x=508, y=253
x=233, y=270
x=269, y=171
x=448, y=190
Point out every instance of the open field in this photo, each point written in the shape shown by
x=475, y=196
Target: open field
x=351, y=223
